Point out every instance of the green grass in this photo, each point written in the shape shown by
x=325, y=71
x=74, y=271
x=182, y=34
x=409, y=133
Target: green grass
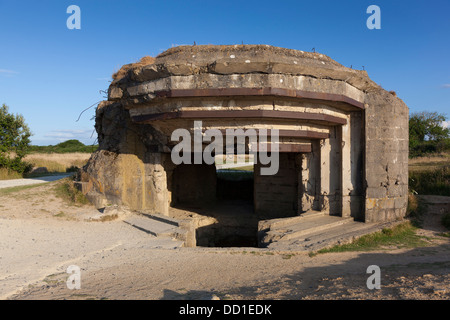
x=415, y=211
x=430, y=182
x=6, y=191
x=234, y=175
x=66, y=190
x=400, y=236
x=244, y=168
x=61, y=214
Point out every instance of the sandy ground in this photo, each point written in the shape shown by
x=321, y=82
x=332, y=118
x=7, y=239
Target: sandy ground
x=40, y=236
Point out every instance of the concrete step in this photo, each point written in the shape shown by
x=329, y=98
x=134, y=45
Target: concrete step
x=339, y=234
x=301, y=227
x=152, y=226
x=281, y=222
x=163, y=227
x=161, y=218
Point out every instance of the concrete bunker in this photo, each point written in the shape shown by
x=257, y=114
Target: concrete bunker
x=343, y=141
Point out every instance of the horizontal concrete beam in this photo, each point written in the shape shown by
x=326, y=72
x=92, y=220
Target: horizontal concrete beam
x=257, y=114
x=290, y=133
x=277, y=92
x=287, y=147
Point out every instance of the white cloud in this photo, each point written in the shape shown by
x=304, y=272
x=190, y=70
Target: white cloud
x=446, y=124
x=446, y=85
x=7, y=73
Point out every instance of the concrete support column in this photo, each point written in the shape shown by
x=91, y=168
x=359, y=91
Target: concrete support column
x=325, y=169
x=352, y=166
x=299, y=158
x=331, y=172
x=347, y=181
x=309, y=182
x=156, y=190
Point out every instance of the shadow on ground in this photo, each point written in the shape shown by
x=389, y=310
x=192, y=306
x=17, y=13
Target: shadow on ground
x=419, y=274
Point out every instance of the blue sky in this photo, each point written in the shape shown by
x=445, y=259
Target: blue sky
x=49, y=73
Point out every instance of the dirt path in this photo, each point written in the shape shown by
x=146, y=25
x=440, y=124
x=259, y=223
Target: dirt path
x=119, y=262
x=30, y=181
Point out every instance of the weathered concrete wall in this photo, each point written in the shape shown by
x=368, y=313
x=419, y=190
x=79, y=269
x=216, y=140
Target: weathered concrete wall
x=126, y=169
x=386, y=157
x=194, y=184
x=275, y=196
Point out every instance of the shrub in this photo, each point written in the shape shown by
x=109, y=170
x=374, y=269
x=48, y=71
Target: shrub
x=72, y=169
x=14, y=141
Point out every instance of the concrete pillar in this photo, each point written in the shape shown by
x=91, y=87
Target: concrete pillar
x=331, y=172
x=156, y=190
x=325, y=169
x=309, y=182
x=352, y=166
x=347, y=181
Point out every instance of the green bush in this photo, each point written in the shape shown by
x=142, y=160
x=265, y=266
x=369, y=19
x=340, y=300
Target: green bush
x=427, y=133
x=72, y=169
x=424, y=148
x=14, y=141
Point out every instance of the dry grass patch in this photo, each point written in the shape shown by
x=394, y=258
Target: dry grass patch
x=123, y=71
x=6, y=174
x=433, y=162
x=58, y=162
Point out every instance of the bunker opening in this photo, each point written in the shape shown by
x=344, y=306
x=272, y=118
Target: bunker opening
x=227, y=202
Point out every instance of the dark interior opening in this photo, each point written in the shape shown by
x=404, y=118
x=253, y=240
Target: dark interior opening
x=238, y=225
x=228, y=203
x=223, y=195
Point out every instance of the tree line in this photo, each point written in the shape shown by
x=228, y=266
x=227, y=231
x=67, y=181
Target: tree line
x=427, y=134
